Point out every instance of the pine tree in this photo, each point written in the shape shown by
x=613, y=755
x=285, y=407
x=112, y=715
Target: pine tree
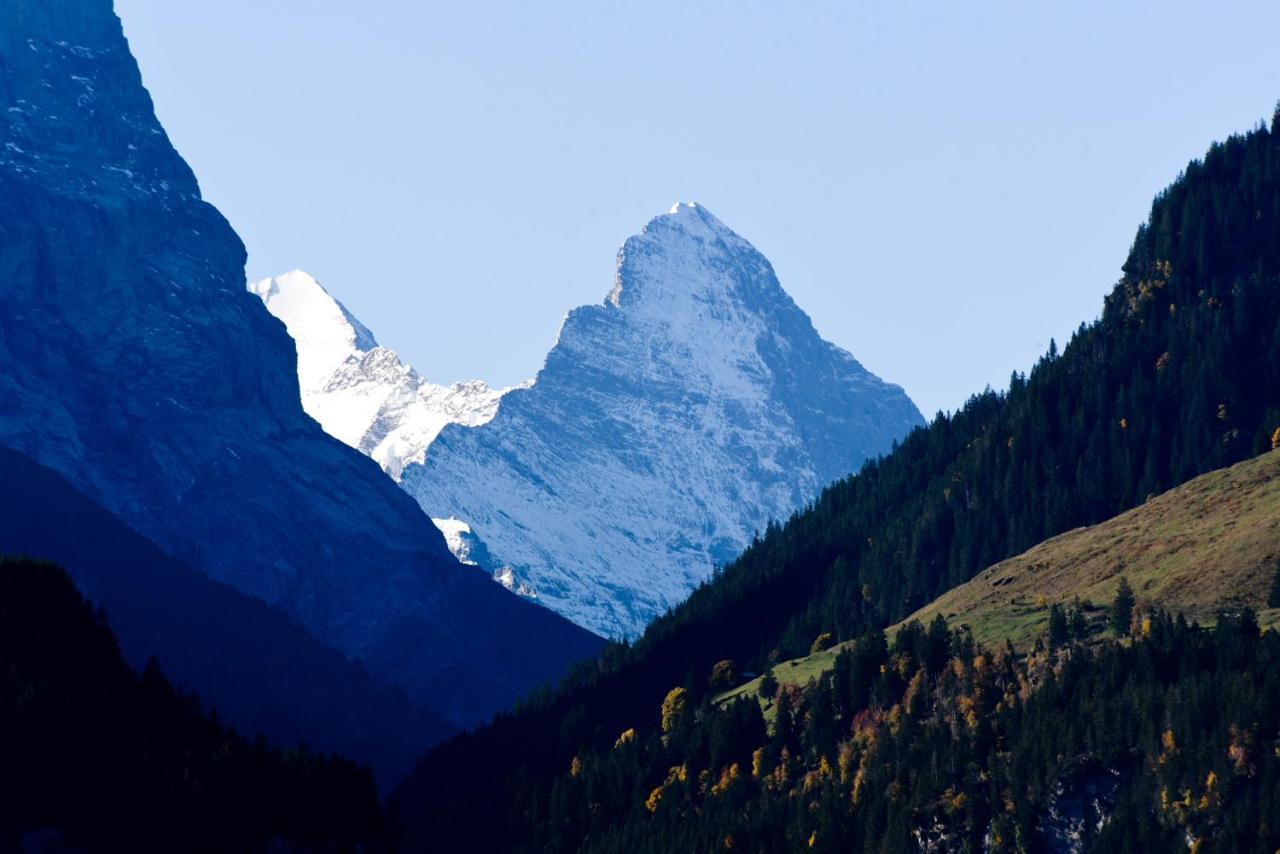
x=1079, y=624
x=1273, y=598
x=1122, y=608
x=1059, y=630
x=938, y=644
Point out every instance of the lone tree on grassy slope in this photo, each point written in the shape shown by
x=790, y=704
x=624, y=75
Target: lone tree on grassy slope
x=768, y=685
x=724, y=675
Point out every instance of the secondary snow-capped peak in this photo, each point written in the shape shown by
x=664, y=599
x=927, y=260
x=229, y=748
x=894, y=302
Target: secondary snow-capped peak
x=323, y=331
x=360, y=392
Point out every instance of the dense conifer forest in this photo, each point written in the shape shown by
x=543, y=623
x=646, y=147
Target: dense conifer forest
x=933, y=741
x=1180, y=375
x=95, y=756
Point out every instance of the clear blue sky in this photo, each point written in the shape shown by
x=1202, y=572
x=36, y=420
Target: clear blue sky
x=942, y=186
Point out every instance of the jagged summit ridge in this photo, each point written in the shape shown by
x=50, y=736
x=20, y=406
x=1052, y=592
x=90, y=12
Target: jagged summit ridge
x=360, y=392
x=669, y=423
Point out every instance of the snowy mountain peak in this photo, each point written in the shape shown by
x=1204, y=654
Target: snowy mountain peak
x=665, y=264
x=694, y=218
x=668, y=424
x=360, y=392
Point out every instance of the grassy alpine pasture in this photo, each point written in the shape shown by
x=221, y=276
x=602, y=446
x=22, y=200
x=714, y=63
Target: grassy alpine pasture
x=1211, y=544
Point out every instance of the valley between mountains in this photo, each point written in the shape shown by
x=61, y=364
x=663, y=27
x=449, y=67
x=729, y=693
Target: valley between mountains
x=702, y=582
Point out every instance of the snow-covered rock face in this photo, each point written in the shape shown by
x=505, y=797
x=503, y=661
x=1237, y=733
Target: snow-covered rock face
x=468, y=548
x=669, y=424
x=133, y=362
x=360, y=392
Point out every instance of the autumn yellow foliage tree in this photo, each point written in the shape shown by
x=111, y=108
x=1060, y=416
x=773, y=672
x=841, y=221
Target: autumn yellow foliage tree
x=673, y=708
x=724, y=674
x=757, y=762
x=677, y=774
x=821, y=642
x=727, y=778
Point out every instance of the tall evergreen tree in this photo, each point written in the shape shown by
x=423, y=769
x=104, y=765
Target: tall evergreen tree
x=1059, y=630
x=1122, y=608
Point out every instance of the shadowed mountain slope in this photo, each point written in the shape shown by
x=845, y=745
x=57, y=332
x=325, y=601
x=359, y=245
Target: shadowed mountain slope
x=134, y=363
x=262, y=671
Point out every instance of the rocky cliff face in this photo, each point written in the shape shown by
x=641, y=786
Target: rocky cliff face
x=133, y=361
x=669, y=423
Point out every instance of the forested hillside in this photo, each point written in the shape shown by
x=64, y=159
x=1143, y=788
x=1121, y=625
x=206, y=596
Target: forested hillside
x=936, y=741
x=1179, y=375
x=95, y=757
